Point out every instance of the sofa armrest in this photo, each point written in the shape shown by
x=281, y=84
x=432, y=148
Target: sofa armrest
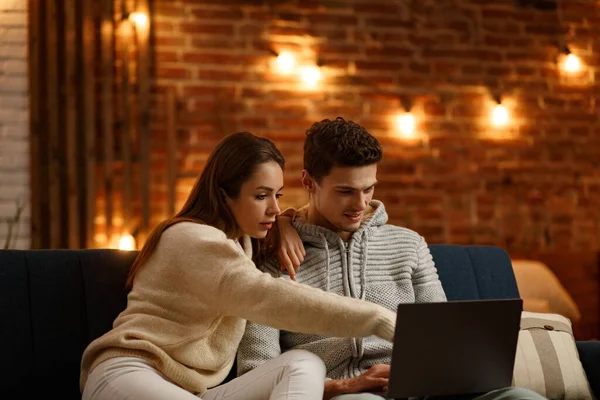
x=589, y=354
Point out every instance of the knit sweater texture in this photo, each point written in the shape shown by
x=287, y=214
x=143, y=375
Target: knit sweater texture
x=188, y=307
x=381, y=263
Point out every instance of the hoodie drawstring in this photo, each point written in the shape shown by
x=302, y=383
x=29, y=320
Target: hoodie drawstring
x=326, y=247
x=363, y=265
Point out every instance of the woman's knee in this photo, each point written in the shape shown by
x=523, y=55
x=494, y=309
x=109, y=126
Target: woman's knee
x=303, y=360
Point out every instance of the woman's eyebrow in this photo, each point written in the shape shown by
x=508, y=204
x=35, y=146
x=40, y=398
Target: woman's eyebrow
x=268, y=189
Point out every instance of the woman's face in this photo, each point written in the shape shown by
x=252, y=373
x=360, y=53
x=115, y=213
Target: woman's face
x=257, y=205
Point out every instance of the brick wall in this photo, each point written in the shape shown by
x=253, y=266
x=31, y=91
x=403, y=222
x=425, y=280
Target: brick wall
x=14, y=128
x=532, y=187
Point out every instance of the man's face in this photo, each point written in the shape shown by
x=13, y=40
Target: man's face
x=341, y=198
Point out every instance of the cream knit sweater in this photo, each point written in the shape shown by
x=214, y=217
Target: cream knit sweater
x=189, y=304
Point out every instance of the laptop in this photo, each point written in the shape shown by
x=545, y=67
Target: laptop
x=454, y=347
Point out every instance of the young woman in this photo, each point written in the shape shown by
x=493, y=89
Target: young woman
x=194, y=285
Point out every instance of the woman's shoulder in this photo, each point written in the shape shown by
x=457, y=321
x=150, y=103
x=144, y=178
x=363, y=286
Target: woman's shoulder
x=191, y=232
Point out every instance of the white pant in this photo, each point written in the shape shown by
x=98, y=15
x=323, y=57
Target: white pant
x=508, y=393
x=295, y=375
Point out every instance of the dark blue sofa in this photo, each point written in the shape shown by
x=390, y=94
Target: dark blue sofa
x=54, y=302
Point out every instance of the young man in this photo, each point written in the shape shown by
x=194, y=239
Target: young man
x=351, y=251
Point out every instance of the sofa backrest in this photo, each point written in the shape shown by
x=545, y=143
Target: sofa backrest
x=53, y=303
x=474, y=272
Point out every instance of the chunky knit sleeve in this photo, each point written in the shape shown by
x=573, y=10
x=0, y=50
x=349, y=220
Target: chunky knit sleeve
x=426, y=282
x=227, y=280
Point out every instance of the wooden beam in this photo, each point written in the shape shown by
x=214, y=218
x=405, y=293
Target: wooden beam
x=143, y=64
x=126, y=36
x=171, y=149
x=89, y=119
x=107, y=64
x=71, y=114
x=52, y=125
x=35, y=14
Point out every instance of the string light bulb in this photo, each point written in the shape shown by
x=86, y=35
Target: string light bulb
x=405, y=124
x=499, y=114
x=311, y=76
x=127, y=243
x=285, y=62
x=572, y=63
x=138, y=18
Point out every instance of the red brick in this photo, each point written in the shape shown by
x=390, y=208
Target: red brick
x=500, y=41
x=207, y=90
x=381, y=8
x=212, y=14
x=220, y=44
x=173, y=73
x=169, y=41
x=199, y=28
x=166, y=56
x=330, y=19
x=208, y=58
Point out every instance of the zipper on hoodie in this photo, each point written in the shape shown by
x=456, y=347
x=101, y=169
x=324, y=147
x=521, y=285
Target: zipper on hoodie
x=357, y=351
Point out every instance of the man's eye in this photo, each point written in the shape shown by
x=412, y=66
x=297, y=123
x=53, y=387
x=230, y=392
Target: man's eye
x=261, y=197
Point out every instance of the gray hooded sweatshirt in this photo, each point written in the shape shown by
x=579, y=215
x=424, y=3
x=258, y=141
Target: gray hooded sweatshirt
x=381, y=263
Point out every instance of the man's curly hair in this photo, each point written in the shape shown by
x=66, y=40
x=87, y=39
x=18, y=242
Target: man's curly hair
x=338, y=143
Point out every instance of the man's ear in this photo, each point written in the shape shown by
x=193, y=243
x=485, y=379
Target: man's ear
x=308, y=181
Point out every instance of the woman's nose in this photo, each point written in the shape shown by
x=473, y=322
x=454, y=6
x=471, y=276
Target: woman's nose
x=274, y=208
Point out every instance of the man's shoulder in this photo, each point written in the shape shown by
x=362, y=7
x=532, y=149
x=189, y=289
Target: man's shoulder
x=271, y=266
x=395, y=233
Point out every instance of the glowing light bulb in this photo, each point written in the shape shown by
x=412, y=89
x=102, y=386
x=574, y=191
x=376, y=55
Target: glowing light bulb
x=138, y=18
x=406, y=124
x=311, y=76
x=572, y=63
x=127, y=242
x=285, y=62
x=499, y=115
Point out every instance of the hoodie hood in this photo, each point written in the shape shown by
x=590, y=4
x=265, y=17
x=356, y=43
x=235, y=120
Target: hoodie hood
x=356, y=249
x=374, y=216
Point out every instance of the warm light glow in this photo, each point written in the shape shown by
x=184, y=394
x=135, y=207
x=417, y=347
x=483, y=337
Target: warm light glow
x=406, y=124
x=499, y=115
x=572, y=63
x=285, y=62
x=127, y=242
x=311, y=76
x=138, y=18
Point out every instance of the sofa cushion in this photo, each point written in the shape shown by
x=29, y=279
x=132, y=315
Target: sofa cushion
x=547, y=360
x=474, y=272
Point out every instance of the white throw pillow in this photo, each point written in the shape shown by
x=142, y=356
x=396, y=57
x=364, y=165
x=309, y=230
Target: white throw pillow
x=547, y=360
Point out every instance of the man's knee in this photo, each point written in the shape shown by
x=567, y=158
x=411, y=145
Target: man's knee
x=513, y=393
x=358, y=396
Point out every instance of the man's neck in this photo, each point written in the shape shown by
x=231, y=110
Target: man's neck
x=314, y=217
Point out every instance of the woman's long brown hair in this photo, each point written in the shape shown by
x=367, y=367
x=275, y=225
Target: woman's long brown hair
x=231, y=163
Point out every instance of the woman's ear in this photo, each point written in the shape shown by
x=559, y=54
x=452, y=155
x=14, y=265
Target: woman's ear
x=223, y=196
